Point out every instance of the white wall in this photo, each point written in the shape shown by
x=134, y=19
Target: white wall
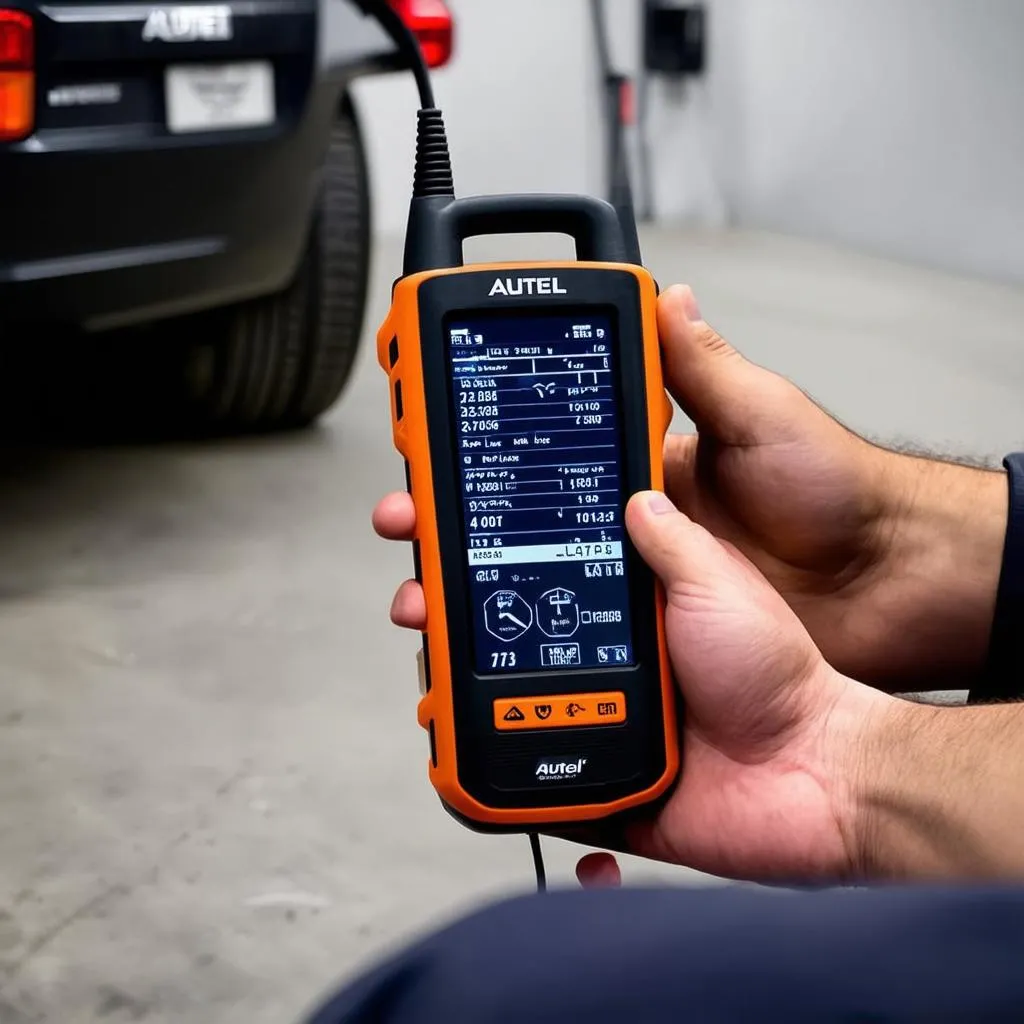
x=896, y=126
x=519, y=101
x=686, y=124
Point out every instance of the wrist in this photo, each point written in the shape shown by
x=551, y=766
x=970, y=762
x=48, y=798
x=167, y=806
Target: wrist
x=871, y=785
x=889, y=797
x=941, y=530
x=935, y=794
x=855, y=731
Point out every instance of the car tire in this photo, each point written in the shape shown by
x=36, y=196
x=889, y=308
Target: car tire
x=282, y=361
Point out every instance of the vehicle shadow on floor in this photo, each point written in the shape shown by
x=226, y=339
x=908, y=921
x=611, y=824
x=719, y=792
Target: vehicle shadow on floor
x=101, y=478
x=119, y=388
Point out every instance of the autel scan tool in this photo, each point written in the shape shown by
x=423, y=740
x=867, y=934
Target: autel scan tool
x=527, y=401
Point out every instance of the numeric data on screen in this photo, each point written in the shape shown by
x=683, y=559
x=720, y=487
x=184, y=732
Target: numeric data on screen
x=537, y=436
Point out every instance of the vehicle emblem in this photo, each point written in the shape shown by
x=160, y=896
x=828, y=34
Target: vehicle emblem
x=207, y=24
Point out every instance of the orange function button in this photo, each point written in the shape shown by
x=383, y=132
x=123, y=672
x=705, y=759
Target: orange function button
x=559, y=712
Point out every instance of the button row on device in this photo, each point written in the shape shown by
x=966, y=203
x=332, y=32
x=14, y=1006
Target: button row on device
x=559, y=712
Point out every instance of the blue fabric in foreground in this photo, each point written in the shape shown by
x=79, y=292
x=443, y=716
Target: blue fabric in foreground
x=720, y=954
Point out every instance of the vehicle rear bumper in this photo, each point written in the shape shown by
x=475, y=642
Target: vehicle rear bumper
x=101, y=239
x=121, y=287
x=111, y=218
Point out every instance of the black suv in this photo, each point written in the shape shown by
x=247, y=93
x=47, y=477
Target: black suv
x=193, y=174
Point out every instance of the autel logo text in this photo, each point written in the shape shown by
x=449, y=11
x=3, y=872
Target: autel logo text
x=559, y=769
x=526, y=286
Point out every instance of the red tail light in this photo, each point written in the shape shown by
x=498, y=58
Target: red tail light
x=17, y=77
x=431, y=23
x=16, y=38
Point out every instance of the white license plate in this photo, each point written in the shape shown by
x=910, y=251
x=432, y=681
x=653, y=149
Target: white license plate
x=208, y=97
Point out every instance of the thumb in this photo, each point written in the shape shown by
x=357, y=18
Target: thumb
x=730, y=635
x=682, y=554
x=726, y=396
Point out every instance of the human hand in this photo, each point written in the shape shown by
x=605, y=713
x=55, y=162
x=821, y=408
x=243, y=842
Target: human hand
x=773, y=737
x=891, y=562
x=792, y=771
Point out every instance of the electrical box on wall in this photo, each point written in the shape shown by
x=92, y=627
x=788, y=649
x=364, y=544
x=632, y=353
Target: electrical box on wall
x=674, y=37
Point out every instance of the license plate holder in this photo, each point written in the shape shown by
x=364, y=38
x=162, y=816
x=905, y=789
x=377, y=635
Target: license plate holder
x=214, y=97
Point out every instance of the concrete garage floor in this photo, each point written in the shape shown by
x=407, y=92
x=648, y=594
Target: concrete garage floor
x=213, y=799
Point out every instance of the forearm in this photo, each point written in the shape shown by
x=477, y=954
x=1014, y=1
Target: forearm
x=938, y=792
x=936, y=589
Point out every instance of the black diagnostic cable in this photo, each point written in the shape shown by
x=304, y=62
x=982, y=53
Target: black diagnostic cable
x=433, y=167
x=432, y=177
x=538, y=862
x=408, y=46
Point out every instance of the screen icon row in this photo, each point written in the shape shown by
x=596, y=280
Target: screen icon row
x=508, y=616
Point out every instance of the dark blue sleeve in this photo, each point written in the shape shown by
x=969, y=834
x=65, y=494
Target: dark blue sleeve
x=1004, y=673
x=723, y=954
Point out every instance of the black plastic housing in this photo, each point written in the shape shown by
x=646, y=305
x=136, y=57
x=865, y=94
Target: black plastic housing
x=497, y=768
x=438, y=225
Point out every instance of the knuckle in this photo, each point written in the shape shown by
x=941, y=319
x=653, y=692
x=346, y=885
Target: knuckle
x=715, y=344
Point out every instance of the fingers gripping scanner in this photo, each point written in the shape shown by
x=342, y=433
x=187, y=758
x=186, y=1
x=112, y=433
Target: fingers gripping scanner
x=528, y=404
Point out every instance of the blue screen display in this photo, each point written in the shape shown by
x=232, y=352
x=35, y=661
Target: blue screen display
x=539, y=451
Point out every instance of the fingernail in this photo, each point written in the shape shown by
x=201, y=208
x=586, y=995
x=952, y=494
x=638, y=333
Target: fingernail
x=659, y=504
x=692, y=309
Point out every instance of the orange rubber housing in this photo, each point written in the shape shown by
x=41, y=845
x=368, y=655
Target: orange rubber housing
x=435, y=711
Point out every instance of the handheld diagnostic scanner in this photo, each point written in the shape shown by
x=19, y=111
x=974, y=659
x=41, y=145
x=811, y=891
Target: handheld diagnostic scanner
x=528, y=404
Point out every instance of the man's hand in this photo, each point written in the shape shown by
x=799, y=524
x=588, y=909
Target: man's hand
x=891, y=562
x=773, y=736
x=792, y=771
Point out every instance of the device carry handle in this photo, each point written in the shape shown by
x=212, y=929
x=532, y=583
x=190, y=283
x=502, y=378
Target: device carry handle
x=438, y=226
x=592, y=223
